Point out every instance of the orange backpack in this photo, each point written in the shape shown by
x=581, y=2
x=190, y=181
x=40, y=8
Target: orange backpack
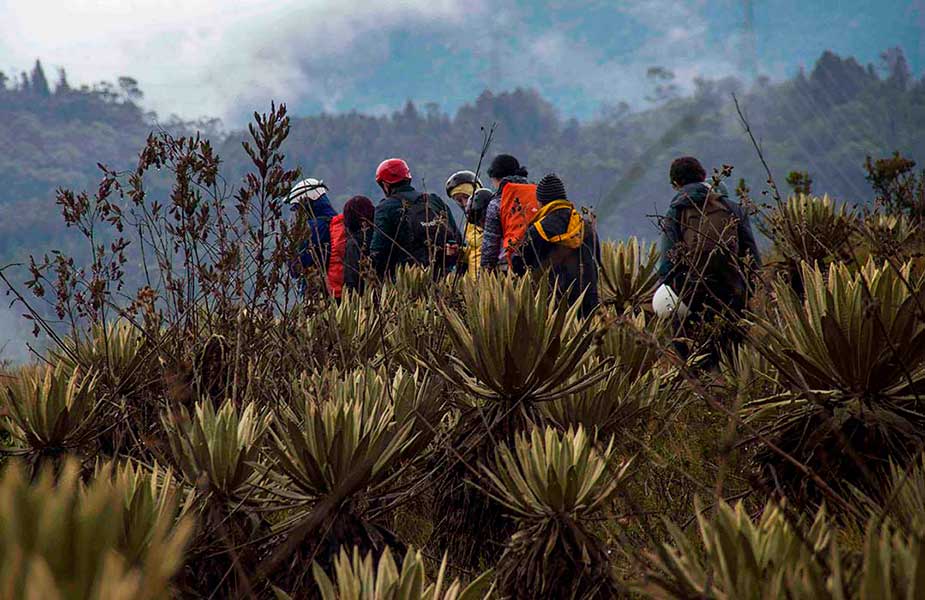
x=518, y=209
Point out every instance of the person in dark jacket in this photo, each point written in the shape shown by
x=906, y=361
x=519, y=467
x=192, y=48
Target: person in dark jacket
x=560, y=240
x=709, y=256
x=411, y=228
x=359, y=215
x=314, y=213
x=504, y=169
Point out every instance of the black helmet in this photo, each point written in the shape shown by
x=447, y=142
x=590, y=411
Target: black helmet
x=459, y=178
x=478, y=204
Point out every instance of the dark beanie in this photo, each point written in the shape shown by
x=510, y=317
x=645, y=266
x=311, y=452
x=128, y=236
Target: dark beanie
x=506, y=165
x=358, y=210
x=549, y=189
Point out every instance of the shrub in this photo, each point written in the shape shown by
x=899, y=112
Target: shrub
x=553, y=483
x=54, y=409
x=851, y=358
x=629, y=274
x=59, y=539
x=773, y=558
x=359, y=577
x=812, y=229
x=218, y=450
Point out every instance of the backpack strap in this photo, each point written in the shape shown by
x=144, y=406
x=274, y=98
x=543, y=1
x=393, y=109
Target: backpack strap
x=573, y=235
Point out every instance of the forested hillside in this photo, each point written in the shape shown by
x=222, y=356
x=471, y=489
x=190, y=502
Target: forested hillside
x=825, y=121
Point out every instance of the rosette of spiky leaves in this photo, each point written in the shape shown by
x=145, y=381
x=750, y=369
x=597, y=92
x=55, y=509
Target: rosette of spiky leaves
x=890, y=236
x=629, y=273
x=737, y=558
x=553, y=483
x=748, y=374
x=632, y=341
x=115, y=351
x=358, y=577
x=618, y=403
x=415, y=396
x=812, y=229
x=53, y=409
x=152, y=502
x=513, y=343
x=218, y=450
x=344, y=334
x=413, y=283
x=419, y=331
x=902, y=500
x=894, y=563
x=852, y=357
x=352, y=435
x=59, y=539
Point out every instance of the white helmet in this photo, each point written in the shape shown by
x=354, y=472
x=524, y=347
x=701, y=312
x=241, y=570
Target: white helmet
x=308, y=189
x=666, y=303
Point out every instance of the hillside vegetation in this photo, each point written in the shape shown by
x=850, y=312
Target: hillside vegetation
x=825, y=121
x=211, y=433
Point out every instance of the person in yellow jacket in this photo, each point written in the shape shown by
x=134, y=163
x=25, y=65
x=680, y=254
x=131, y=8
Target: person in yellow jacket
x=462, y=187
x=470, y=262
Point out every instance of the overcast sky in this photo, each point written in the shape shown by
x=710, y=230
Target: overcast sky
x=228, y=57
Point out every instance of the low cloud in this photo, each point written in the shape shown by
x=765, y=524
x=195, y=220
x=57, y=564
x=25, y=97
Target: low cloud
x=676, y=37
x=203, y=57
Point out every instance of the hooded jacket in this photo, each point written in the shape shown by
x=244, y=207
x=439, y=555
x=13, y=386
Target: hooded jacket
x=571, y=254
x=318, y=245
x=492, y=232
x=731, y=286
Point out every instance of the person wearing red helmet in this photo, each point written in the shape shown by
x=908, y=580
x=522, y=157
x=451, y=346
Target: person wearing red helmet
x=410, y=227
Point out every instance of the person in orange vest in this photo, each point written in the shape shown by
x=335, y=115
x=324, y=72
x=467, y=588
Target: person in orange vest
x=509, y=213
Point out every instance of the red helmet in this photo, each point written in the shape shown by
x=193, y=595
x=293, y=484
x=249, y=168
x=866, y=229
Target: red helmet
x=392, y=170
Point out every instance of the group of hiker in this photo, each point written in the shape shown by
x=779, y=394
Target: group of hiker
x=708, y=250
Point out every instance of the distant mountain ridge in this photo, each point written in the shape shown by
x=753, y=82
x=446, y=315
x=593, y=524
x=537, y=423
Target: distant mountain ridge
x=825, y=121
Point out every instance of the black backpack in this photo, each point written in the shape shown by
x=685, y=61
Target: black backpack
x=426, y=230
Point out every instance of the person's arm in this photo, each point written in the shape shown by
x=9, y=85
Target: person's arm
x=671, y=234
x=384, y=230
x=491, y=234
x=465, y=254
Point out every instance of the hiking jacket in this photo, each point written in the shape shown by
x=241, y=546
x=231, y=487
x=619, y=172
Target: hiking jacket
x=571, y=270
x=493, y=234
x=318, y=245
x=732, y=287
x=470, y=259
x=357, y=249
x=392, y=244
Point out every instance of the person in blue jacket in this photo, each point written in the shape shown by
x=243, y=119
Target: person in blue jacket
x=314, y=212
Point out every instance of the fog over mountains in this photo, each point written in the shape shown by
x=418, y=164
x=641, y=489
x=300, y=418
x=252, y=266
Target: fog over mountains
x=201, y=57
